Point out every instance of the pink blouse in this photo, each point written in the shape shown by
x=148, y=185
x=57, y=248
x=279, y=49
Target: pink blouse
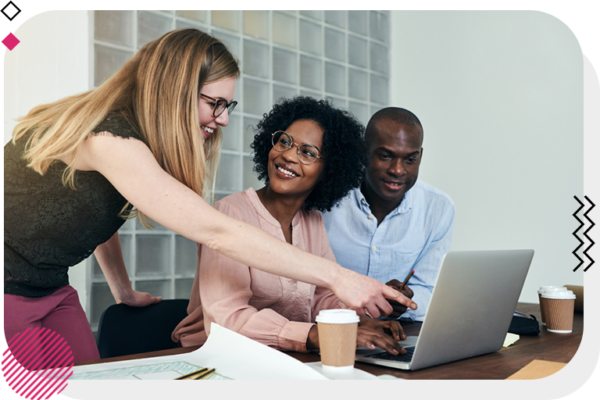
x=276, y=311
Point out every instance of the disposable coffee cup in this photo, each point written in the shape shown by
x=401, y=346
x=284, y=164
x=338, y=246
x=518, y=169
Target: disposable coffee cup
x=337, y=339
x=541, y=290
x=560, y=306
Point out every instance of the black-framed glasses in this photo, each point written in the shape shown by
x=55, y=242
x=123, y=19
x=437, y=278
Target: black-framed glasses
x=221, y=105
x=307, y=153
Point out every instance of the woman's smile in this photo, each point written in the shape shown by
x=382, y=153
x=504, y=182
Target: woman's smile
x=285, y=171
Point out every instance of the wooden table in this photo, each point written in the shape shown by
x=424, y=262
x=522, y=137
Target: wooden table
x=499, y=365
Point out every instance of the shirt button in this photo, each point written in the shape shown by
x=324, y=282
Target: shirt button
x=374, y=248
x=370, y=216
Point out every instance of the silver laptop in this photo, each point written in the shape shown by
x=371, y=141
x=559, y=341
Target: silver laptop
x=471, y=308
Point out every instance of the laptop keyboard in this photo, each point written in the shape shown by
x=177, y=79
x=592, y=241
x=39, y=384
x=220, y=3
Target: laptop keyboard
x=400, y=357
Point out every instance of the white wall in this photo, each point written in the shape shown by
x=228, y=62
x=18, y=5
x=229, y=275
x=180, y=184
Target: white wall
x=52, y=61
x=500, y=96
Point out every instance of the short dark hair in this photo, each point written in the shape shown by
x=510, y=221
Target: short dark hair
x=343, y=147
x=396, y=114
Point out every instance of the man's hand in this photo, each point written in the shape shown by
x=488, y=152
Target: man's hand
x=384, y=334
x=362, y=293
x=399, y=309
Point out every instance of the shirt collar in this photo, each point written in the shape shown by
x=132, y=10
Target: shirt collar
x=361, y=202
x=405, y=204
x=262, y=211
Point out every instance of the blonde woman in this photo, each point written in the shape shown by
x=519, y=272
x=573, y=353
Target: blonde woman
x=148, y=137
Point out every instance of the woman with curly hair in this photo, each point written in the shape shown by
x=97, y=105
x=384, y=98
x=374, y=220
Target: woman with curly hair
x=309, y=155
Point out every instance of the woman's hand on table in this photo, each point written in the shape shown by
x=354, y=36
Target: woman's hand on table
x=312, y=341
x=138, y=299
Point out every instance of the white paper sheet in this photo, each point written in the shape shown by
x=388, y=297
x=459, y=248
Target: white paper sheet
x=510, y=339
x=354, y=374
x=233, y=355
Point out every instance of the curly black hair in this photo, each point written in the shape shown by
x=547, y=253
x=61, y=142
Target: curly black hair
x=343, y=147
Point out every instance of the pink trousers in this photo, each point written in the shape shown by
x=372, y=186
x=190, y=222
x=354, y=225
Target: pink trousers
x=60, y=312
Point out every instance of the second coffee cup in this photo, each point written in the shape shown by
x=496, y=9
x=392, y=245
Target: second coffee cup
x=543, y=302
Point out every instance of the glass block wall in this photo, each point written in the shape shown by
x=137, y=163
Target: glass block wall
x=339, y=55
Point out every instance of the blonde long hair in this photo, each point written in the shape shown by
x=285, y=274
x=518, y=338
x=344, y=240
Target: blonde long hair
x=157, y=91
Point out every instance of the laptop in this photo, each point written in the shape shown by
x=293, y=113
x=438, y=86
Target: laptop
x=469, y=313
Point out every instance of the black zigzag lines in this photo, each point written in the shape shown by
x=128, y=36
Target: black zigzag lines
x=585, y=214
x=585, y=233
x=575, y=234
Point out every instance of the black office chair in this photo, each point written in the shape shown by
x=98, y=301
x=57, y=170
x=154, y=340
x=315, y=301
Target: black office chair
x=125, y=330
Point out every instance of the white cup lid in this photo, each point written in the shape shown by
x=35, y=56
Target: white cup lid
x=542, y=288
x=562, y=295
x=337, y=317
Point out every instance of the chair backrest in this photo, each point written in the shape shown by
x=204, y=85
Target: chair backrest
x=125, y=330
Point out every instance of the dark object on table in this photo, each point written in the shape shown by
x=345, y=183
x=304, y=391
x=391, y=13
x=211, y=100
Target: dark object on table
x=522, y=324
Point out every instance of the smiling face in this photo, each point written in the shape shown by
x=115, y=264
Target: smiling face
x=222, y=89
x=394, y=152
x=287, y=175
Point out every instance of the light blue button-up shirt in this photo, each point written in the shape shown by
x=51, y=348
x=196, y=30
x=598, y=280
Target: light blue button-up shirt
x=416, y=235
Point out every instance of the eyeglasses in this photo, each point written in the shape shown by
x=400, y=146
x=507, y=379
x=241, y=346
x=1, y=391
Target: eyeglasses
x=220, y=105
x=307, y=153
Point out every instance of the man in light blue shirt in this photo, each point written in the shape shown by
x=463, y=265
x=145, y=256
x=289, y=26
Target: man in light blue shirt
x=394, y=223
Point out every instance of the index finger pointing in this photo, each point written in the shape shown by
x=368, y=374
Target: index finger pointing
x=393, y=294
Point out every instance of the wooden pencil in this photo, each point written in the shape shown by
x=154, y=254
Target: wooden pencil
x=187, y=376
x=406, y=280
x=205, y=375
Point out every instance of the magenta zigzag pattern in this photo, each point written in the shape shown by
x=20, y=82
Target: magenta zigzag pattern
x=37, y=363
